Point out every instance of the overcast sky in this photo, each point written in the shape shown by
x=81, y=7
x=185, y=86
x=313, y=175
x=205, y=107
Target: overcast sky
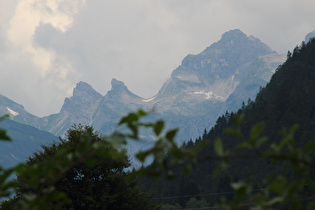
x=47, y=46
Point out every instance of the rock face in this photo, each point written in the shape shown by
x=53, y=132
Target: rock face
x=251, y=77
x=218, y=79
x=84, y=99
x=211, y=76
x=202, y=88
x=16, y=111
x=79, y=108
x=116, y=103
x=82, y=105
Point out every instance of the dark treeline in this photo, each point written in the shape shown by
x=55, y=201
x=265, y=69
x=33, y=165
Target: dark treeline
x=288, y=99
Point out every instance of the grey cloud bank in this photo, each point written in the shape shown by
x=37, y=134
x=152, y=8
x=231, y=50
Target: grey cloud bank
x=46, y=47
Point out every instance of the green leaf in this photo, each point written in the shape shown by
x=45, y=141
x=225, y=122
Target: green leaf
x=91, y=162
x=4, y=116
x=116, y=139
x=309, y=146
x=130, y=118
x=4, y=136
x=244, y=145
x=261, y=141
x=218, y=147
x=158, y=127
x=171, y=134
x=199, y=146
x=234, y=132
x=275, y=200
x=242, y=189
x=134, y=130
x=187, y=169
x=256, y=130
x=237, y=119
x=142, y=113
x=3, y=133
x=141, y=156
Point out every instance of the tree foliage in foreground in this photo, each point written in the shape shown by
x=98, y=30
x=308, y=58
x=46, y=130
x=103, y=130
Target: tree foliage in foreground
x=88, y=171
x=55, y=178
x=83, y=171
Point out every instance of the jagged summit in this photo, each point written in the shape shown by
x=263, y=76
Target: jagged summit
x=238, y=36
x=116, y=84
x=119, y=91
x=236, y=39
x=83, y=96
x=233, y=49
x=84, y=88
x=215, y=71
x=233, y=34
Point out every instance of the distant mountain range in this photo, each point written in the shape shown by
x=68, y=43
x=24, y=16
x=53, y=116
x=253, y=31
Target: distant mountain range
x=25, y=141
x=219, y=78
x=287, y=100
x=203, y=87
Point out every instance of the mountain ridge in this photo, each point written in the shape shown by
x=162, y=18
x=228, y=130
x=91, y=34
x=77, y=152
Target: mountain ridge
x=197, y=88
x=197, y=92
x=267, y=129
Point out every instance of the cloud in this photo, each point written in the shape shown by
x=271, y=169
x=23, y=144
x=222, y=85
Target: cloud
x=43, y=73
x=53, y=44
x=29, y=14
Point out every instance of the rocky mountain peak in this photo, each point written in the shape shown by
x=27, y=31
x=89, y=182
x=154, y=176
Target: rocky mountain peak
x=116, y=84
x=82, y=88
x=83, y=94
x=239, y=40
x=222, y=59
x=120, y=91
x=235, y=34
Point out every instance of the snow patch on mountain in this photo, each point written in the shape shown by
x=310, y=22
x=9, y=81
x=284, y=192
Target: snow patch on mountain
x=208, y=95
x=148, y=100
x=12, y=112
x=188, y=78
x=13, y=156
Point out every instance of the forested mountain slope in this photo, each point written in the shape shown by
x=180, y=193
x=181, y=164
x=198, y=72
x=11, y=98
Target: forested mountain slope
x=287, y=99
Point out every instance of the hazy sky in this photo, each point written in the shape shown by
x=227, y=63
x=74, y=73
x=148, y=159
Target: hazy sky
x=47, y=46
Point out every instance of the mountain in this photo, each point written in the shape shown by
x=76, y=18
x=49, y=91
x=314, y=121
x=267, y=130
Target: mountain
x=204, y=86
x=218, y=79
x=117, y=102
x=79, y=108
x=254, y=76
x=25, y=140
x=212, y=75
x=16, y=111
x=286, y=100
